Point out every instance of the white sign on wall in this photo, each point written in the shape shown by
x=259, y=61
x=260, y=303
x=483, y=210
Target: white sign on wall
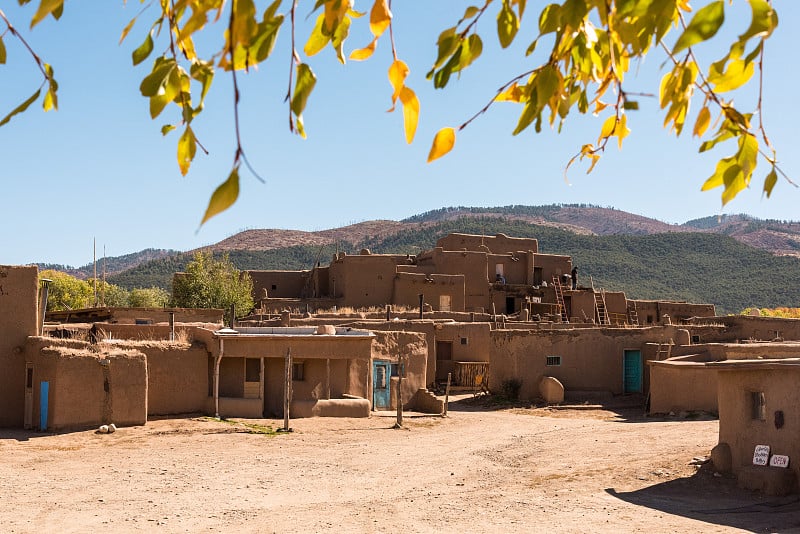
x=779, y=460
x=761, y=455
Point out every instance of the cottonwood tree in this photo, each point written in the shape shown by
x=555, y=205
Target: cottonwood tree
x=582, y=50
x=65, y=292
x=213, y=283
x=148, y=297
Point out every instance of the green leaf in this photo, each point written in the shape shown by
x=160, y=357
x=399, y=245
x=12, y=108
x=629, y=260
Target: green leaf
x=22, y=107
x=339, y=36
x=448, y=43
x=302, y=89
x=631, y=105
x=202, y=72
x=187, y=147
x=471, y=50
x=507, y=25
x=155, y=81
x=703, y=26
x=770, y=181
x=550, y=19
x=318, y=38
x=141, y=53
x=3, y=55
x=763, y=23
x=224, y=196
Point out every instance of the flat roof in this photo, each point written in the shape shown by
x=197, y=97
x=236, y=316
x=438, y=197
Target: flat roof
x=292, y=331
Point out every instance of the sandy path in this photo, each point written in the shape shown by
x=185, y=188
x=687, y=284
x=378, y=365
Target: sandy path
x=496, y=471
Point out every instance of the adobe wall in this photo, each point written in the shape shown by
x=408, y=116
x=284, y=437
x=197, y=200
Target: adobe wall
x=514, y=267
x=408, y=287
x=473, y=266
x=657, y=312
x=616, y=305
x=591, y=358
x=682, y=386
x=161, y=315
x=364, y=280
x=279, y=284
x=553, y=265
x=581, y=306
x=741, y=327
x=19, y=293
x=498, y=244
x=88, y=388
x=177, y=377
x=741, y=431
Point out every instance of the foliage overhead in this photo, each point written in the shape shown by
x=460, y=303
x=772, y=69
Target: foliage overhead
x=582, y=51
x=213, y=283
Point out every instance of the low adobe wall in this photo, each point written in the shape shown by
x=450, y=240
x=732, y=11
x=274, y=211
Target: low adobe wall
x=390, y=346
x=89, y=387
x=679, y=386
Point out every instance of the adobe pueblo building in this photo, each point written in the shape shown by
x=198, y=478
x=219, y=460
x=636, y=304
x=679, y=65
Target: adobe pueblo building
x=483, y=313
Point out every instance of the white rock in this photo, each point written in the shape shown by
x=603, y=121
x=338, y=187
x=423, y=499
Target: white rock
x=112, y=428
x=103, y=429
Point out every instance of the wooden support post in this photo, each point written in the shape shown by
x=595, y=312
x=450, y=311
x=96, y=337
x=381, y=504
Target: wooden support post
x=328, y=378
x=287, y=390
x=399, y=423
x=447, y=394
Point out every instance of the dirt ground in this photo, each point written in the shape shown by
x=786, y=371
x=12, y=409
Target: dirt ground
x=481, y=469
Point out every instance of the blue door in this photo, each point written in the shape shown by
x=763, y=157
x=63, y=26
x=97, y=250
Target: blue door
x=632, y=372
x=44, y=402
x=380, y=385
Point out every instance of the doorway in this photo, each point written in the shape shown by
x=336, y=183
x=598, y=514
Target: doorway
x=381, y=371
x=632, y=371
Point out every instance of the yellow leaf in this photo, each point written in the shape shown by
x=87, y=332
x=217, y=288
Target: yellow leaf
x=595, y=159
x=513, y=93
x=127, y=30
x=364, y=53
x=410, y=112
x=379, y=18
x=318, y=39
x=398, y=71
x=608, y=128
x=187, y=146
x=46, y=7
x=224, y=197
x=702, y=122
x=622, y=130
x=442, y=144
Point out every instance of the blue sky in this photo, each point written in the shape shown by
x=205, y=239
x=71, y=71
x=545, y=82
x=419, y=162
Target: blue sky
x=99, y=167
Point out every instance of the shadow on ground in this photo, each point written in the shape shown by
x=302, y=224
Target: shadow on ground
x=717, y=500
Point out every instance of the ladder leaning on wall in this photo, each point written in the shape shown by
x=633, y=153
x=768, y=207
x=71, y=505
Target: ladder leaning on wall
x=560, y=299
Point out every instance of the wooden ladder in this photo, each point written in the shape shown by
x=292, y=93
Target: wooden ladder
x=665, y=350
x=600, y=306
x=633, y=315
x=560, y=299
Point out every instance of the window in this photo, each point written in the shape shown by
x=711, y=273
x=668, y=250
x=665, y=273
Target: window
x=298, y=371
x=444, y=303
x=464, y=341
x=274, y=287
x=758, y=407
x=553, y=361
x=252, y=370
x=649, y=319
x=695, y=339
x=398, y=368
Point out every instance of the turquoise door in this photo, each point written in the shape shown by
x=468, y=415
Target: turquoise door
x=632, y=372
x=381, y=372
x=44, y=403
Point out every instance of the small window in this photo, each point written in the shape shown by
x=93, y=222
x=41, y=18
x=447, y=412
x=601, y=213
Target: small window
x=695, y=339
x=553, y=361
x=252, y=370
x=464, y=341
x=397, y=368
x=274, y=287
x=143, y=321
x=758, y=406
x=298, y=371
x=649, y=319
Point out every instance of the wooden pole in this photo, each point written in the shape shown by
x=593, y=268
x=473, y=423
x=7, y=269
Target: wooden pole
x=447, y=394
x=399, y=423
x=287, y=390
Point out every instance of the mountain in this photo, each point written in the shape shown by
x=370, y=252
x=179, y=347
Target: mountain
x=112, y=265
x=690, y=263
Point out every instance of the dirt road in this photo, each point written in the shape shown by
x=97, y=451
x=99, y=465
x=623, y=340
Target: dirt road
x=509, y=470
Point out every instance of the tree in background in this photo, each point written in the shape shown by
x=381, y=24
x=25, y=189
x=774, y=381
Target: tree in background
x=213, y=283
x=151, y=297
x=577, y=59
x=66, y=292
x=110, y=295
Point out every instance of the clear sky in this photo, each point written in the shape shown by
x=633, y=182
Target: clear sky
x=99, y=167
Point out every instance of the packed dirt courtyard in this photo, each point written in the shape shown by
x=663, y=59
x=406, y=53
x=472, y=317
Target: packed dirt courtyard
x=478, y=470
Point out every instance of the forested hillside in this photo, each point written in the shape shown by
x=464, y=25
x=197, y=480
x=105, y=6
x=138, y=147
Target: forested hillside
x=697, y=267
